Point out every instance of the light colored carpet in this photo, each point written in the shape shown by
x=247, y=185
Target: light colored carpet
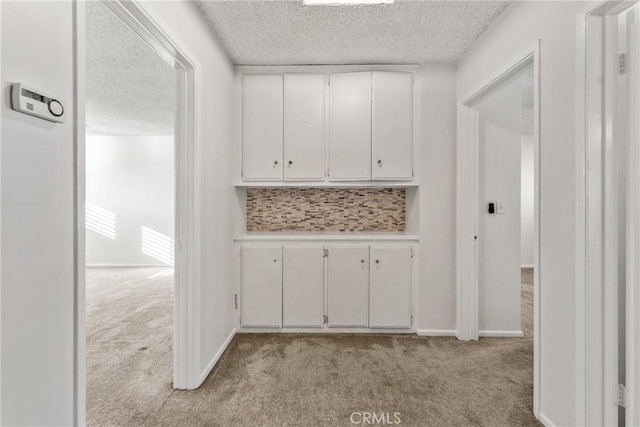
x=293, y=379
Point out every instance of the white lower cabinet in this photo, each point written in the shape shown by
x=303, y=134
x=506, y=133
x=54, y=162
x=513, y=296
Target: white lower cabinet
x=262, y=286
x=348, y=286
x=390, y=287
x=303, y=287
x=354, y=285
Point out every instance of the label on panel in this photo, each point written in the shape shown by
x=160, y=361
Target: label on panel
x=392, y=126
x=262, y=127
x=350, y=127
x=262, y=286
x=303, y=286
x=348, y=286
x=304, y=126
x=390, y=298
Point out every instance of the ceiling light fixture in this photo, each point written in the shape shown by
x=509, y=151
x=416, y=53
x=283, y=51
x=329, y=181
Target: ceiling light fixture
x=344, y=2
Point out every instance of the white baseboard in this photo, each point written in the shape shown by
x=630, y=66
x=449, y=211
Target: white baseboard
x=323, y=330
x=545, y=421
x=501, y=334
x=526, y=266
x=128, y=265
x=436, y=332
x=216, y=357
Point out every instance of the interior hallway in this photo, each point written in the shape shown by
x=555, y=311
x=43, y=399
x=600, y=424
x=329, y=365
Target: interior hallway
x=288, y=379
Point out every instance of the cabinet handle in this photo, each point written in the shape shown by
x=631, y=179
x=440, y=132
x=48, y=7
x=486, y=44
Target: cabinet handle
x=275, y=260
x=380, y=163
x=275, y=163
x=377, y=261
x=361, y=261
x=290, y=163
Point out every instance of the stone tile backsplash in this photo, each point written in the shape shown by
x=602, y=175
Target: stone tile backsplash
x=326, y=209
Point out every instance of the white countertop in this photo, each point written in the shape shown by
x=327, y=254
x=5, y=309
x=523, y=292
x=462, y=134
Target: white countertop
x=327, y=236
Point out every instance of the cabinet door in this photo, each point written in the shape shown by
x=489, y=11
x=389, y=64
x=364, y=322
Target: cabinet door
x=390, y=300
x=303, y=286
x=392, y=126
x=262, y=135
x=304, y=127
x=262, y=286
x=350, y=127
x=348, y=286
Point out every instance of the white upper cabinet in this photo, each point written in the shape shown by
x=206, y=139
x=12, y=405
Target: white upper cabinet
x=303, y=286
x=348, y=286
x=262, y=286
x=262, y=127
x=370, y=134
x=350, y=127
x=392, y=126
x=390, y=287
x=304, y=127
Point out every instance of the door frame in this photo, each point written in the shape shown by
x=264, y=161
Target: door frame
x=596, y=304
x=467, y=212
x=186, y=357
x=633, y=247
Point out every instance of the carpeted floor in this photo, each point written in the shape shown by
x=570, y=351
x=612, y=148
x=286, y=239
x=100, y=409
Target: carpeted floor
x=295, y=380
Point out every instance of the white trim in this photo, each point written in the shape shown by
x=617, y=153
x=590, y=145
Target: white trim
x=501, y=334
x=129, y=266
x=187, y=231
x=546, y=422
x=328, y=184
x=633, y=247
x=467, y=206
x=79, y=303
x=436, y=332
x=216, y=357
x=1, y=222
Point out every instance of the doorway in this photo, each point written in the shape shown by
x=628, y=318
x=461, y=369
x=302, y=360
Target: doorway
x=489, y=204
x=130, y=220
x=506, y=177
x=186, y=258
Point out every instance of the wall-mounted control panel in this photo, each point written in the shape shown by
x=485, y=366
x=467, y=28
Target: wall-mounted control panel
x=496, y=207
x=35, y=103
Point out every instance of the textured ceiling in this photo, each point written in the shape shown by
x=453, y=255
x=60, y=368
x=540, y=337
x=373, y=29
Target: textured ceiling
x=130, y=89
x=284, y=32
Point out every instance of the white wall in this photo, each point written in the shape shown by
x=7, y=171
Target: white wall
x=130, y=184
x=37, y=220
x=522, y=25
x=435, y=164
x=214, y=100
x=526, y=201
x=37, y=242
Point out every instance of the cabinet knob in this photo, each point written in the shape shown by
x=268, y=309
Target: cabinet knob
x=377, y=261
x=379, y=163
x=275, y=163
x=290, y=163
x=275, y=260
x=362, y=261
